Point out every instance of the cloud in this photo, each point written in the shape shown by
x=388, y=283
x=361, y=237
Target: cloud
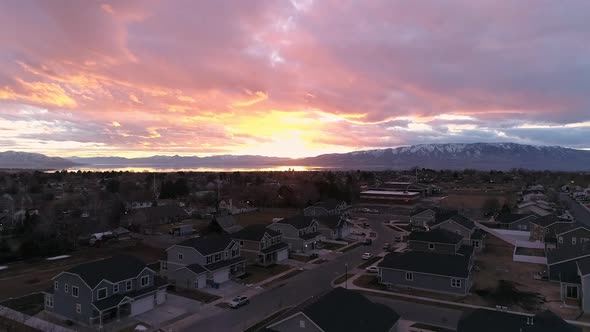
x=291, y=78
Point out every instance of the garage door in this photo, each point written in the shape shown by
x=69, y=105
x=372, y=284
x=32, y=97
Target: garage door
x=221, y=276
x=142, y=305
x=282, y=255
x=161, y=296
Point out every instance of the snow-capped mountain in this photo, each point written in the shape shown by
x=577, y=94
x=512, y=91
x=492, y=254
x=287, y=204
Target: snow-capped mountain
x=14, y=159
x=499, y=156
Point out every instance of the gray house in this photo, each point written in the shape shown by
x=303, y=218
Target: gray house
x=340, y=310
x=485, y=320
x=515, y=221
x=299, y=232
x=429, y=216
x=328, y=207
x=98, y=292
x=261, y=245
x=333, y=227
x=437, y=241
x=570, y=267
x=575, y=235
x=429, y=271
x=461, y=225
x=198, y=262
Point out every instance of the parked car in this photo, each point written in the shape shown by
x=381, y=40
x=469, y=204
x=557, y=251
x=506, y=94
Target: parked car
x=372, y=269
x=387, y=246
x=367, y=256
x=368, y=242
x=238, y=301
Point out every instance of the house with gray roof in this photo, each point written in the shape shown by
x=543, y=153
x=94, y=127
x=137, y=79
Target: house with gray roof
x=99, y=292
x=299, y=232
x=204, y=261
x=570, y=267
x=328, y=207
x=436, y=240
x=261, y=245
x=334, y=227
x=515, y=221
x=457, y=223
x=485, y=320
x=340, y=310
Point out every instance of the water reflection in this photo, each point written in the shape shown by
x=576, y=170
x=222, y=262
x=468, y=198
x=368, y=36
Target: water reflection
x=141, y=169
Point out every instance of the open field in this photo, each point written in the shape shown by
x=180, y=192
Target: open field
x=265, y=215
x=476, y=200
x=27, y=277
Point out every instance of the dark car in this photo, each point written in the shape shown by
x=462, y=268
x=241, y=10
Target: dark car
x=368, y=242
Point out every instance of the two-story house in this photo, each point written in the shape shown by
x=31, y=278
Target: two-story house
x=486, y=320
x=299, y=232
x=436, y=240
x=198, y=262
x=328, y=207
x=515, y=221
x=98, y=292
x=428, y=216
x=334, y=227
x=261, y=245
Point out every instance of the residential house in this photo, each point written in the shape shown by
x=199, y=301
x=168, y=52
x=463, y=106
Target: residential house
x=157, y=215
x=436, y=240
x=463, y=226
x=299, y=232
x=327, y=207
x=431, y=271
x=334, y=227
x=531, y=207
x=567, y=265
x=98, y=292
x=225, y=222
x=340, y=310
x=401, y=232
x=198, y=262
x=541, y=226
x=515, y=221
x=486, y=320
x=261, y=245
x=574, y=235
x=429, y=216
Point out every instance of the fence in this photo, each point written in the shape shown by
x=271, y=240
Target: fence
x=30, y=321
x=516, y=238
x=528, y=258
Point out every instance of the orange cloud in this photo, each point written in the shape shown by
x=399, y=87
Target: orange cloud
x=38, y=93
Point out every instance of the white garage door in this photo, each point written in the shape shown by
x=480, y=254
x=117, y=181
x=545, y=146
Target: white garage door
x=282, y=255
x=142, y=305
x=221, y=276
x=161, y=296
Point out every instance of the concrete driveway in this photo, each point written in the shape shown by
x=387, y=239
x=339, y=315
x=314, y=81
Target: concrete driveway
x=228, y=288
x=174, y=307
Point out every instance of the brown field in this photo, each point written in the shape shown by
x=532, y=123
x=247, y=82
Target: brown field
x=265, y=215
x=471, y=200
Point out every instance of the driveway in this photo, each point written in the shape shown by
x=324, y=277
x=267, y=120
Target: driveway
x=228, y=288
x=174, y=307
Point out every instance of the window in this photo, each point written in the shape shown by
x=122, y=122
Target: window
x=66, y=288
x=164, y=266
x=49, y=301
x=145, y=280
x=75, y=291
x=78, y=308
x=217, y=257
x=409, y=276
x=571, y=292
x=573, y=240
x=313, y=229
x=241, y=243
x=560, y=239
x=56, y=285
x=475, y=244
x=583, y=239
x=456, y=283
x=116, y=288
x=128, y=285
x=180, y=257
x=209, y=259
x=235, y=252
x=102, y=293
x=302, y=324
x=431, y=246
x=226, y=254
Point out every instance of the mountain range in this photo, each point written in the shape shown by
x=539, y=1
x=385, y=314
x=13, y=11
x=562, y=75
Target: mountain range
x=484, y=156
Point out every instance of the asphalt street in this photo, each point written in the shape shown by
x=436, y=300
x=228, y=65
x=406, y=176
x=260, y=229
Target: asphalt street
x=580, y=214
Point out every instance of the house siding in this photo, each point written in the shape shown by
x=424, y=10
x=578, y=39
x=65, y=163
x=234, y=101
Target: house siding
x=520, y=225
x=64, y=304
x=423, y=218
x=186, y=279
x=290, y=235
x=453, y=227
x=579, y=234
x=441, y=248
x=293, y=324
x=441, y=284
x=585, y=293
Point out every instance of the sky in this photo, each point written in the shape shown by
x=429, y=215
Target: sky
x=290, y=78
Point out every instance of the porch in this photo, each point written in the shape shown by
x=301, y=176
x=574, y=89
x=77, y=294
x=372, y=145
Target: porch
x=104, y=316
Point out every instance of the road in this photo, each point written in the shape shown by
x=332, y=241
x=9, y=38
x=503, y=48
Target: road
x=299, y=288
x=580, y=214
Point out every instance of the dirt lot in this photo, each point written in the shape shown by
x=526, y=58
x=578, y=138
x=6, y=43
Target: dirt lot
x=470, y=200
x=264, y=215
x=27, y=277
x=530, y=252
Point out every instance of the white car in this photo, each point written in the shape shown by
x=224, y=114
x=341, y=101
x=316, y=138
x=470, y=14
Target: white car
x=367, y=256
x=238, y=301
x=372, y=269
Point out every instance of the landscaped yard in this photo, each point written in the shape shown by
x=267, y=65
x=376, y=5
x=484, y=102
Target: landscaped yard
x=332, y=245
x=369, y=262
x=342, y=278
x=195, y=294
x=255, y=274
x=264, y=215
x=358, y=244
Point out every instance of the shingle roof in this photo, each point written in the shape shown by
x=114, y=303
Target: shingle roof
x=427, y=262
x=273, y=248
x=208, y=244
x=116, y=268
x=331, y=221
x=436, y=236
x=459, y=219
x=546, y=220
x=345, y=310
x=221, y=264
x=298, y=221
x=567, y=253
x=509, y=218
x=254, y=233
x=309, y=236
x=483, y=320
x=584, y=265
x=196, y=268
x=329, y=204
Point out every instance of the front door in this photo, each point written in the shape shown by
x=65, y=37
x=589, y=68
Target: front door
x=571, y=292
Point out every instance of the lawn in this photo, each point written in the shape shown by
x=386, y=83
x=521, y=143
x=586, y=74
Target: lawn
x=30, y=304
x=342, y=278
x=369, y=262
x=358, y=244
x=264, y=215
x=369, y=281
x=255, y=274
x=195, y=294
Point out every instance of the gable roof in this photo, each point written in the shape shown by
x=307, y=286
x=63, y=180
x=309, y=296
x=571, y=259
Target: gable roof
x=345, y=310
x=254, y=233
x=114, y=269
x=567, y=253
x=458, y=219
x=207, y=245
x=436, y=235
x=227, y=222
x=546, y=221
x=428, y=262
x=509, y=218
x=299, y=221
x=329, y=204
x=584, y=266
x=331, y=221
x=483, y=320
